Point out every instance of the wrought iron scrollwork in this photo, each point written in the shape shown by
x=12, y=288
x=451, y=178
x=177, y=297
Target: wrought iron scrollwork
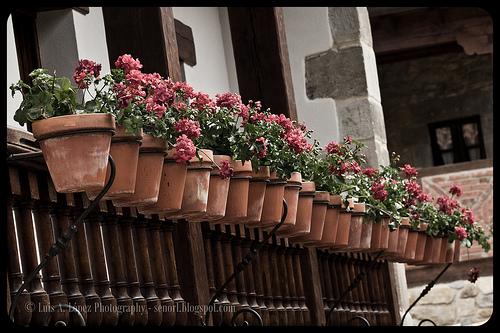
x=423, y=293
x=426, y=320
x=66, y=237
x=71, y=308
x=246, y=323
x=360, y=318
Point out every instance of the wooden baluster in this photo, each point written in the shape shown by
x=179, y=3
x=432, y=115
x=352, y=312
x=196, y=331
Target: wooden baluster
x=22, y=316
x=356, y=296
x=86, y=282
x=384, y=276
x=292, y=289
x=146, y=283
x=174, y=289
x=332, y=263
x=256, y=268
x=287, y=302
x=47, y=196
x=22, y=211
x=343, y=284
x=250, y=282
x=326, y=279
x=376, y=299
x=276, y=283
x=322, y=277
x=268, y=284
x=240, y=278
x=232, y=294
x=297, y=269
x=158, y=271
x=207, y=243
x=115, y=266
x=99, y=270
x=125, y=227
x=367, y=306
x=223, y=316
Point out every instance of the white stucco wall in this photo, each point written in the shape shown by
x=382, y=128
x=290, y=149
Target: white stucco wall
x=308, y=32
x=211, y=74
x=12, y=76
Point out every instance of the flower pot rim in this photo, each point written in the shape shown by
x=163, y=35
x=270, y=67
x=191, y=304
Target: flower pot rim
x=122, y=135
x=321, y=197
x=72, y=124
x=151, y=144
x=308, y=188
x=263, y=173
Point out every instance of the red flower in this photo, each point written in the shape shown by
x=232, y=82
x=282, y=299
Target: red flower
x=184, y=149
x=348, y=139
x=85, y=71
x=296, y=140
x=456, y=190
x=413, y=188
x=332, y=148
x=354, y=167
x=228, y=100
x=226, y=171
x=370, y=172
x=468, y=216
x=461, y=233
x=473, y=274
x=203, y=102
x=262, y=144
x=378, y=191
x=189, y=127
x=409, y=170
x=183, y=89
x=127, y=63
x=424, y=197
x=447, y=205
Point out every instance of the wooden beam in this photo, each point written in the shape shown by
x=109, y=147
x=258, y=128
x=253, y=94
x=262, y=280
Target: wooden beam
x=312, y=286
x=147, y=33
x=185, y=43
x=261, y=57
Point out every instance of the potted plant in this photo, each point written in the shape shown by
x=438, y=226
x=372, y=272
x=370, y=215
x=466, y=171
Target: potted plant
x=75, y=143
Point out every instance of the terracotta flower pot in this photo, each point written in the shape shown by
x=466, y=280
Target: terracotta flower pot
x=256, y=194
x=320, y=204
x=218, y=190
x=430, y=246
x=331, y=222
x=380, y=234
x=421, y=244
x=149, y=171
x=125, y=152
x=366, y=234
x=444, y=248
x=291, y=195
x=356, y=226
x=172, y=183
x=411, y=245
x=195, y=197
x=273, y=202
x=392, y=249
x=456, y=251
x=344, y=227
x=237, y=198
x=304, y=212
x=404, y=229
x=450, y=251
x=76, y=149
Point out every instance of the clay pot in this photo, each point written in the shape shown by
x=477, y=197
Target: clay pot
x=195, y=197
x=76, y=149
x=273, y=201
x=320, y=205
x=291, y=195
x=366, y=234
x=356, y=226
x=125, y=152
x=173, y=178
x=450, y=251
x=380, y=234
x=421, y=243
x=344, y=226
x=444, y=248
x=411, y=245
x=256, y=194
x=429, y=250
x=456, y=251
x=404, y=229
x=331, y=222
x=149, y=172
x=217, y=193
x=237, y=198
x=304, y=212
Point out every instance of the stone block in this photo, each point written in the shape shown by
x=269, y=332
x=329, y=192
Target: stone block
x=349, y=25
x=440, y=314
x=469, y=291
x=459, y=284
x=485, y=313
x=466, y=307
x=485, y=284
x=484, y=301
x=440, y=294
x=361, y=117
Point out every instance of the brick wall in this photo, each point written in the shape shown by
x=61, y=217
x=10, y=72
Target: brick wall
x=477, y=186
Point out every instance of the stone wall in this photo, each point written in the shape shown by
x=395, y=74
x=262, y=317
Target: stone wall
x=459, y=303
x=419, y=91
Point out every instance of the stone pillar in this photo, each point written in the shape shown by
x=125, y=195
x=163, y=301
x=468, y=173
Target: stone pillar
x=347, y=73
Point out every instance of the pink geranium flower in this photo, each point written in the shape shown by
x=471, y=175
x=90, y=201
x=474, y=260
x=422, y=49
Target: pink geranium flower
x=184, y=149
x=189, y=127
x=456, y=190
x=226, y=171
x=127, y=63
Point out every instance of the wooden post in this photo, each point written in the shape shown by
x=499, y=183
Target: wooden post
x=310, y=275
